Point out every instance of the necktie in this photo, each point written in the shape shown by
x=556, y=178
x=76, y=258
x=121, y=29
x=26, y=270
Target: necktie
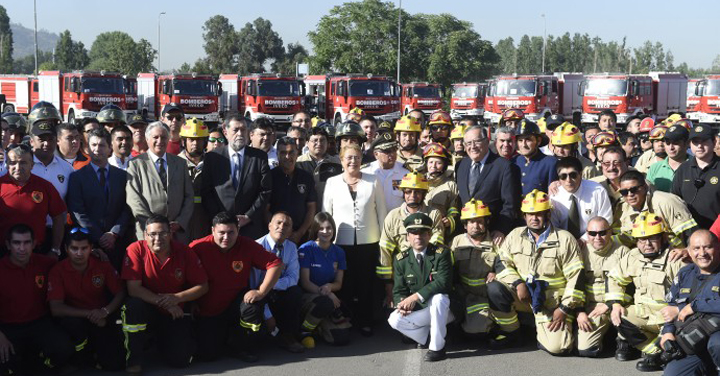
x=236, y=173
x=420, y=260
x=474, y=175
x=278, y=250
x=163, y=173
x=103, y=180
x=574, y=217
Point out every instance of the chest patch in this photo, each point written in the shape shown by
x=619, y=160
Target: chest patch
x=98, y=280
x=237, y=266
x=61, y=178
x=302, y=188
x=37, y=197
x=40, y=281
x=178, y=274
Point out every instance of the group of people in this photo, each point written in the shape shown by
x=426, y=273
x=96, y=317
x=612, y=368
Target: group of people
x=117, y=230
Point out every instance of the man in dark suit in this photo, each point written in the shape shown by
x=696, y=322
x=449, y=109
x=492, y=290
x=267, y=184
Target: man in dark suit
x=236, y=178
x=96, y=198
x=486, y=177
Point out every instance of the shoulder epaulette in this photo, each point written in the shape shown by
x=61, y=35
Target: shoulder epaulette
x=401, y=255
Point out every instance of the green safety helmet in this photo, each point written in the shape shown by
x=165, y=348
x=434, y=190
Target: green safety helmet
x=15, y=121
x=350, y=129
x=43, y=111
x=111, y=113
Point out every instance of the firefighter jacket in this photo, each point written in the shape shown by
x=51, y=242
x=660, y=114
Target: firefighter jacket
x=556, y=260
x=443, y=196
x=414, y=162
x=652, y=279
x=598, y=264
x=667, y=205
x=435, y=277
x=393, y=236
x=471, y=265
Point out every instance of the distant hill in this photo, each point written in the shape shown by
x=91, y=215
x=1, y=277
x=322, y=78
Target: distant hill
x=24, y=43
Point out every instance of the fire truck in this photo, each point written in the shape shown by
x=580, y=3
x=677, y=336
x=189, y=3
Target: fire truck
x=76, y=95
x=262, y=95
x=197, y=94
x=468, y=99
x=536, y=95
x=332, y=96
x=422, y=96
x=708, y=89
x=657, y=93
x=693, y=100
x=131, y=97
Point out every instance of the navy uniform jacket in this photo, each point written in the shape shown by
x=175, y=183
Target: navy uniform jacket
x=498, y=187
x=706, y=301
x=537, y=172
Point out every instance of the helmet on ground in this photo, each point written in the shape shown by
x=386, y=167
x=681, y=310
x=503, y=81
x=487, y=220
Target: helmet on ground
x=566, y=134
x=648, y=224
x=194, y=128
x=407, y=124
x=414, y=180
x=536, y=201
x=111, y=113
x=474, y=209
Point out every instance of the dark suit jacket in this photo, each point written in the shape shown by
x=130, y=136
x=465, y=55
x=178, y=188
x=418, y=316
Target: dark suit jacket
x=434, y=278
x=251, y=197
x=91, y=209
x=498, y=187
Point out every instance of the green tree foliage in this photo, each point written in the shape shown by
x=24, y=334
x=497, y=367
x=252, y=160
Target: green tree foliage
x=70, y=55
x=26, y=64
x=294, y=54
x=221, y=46
x=6, y=42
x=258, y=43
x=117, y=51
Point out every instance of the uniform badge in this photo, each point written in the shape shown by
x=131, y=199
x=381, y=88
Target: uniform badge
x=715, y=289
x=237, y=266
x=698, y=129
x=714, y=180
x=98, y=280
x=37, y=196
x=40, y=281
x=178, y=274
x=302, y=188
x=588, y=211
x=61, y=178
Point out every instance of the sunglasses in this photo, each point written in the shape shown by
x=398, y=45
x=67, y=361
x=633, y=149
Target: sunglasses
x=634, y=190
x=80, y=229
x=438, y=128
x=175, y=117
x=216, y=139
x=572, y=175
x=598, y=233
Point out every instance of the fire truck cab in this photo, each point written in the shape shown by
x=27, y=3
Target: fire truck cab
x=468, y=99
x=536, y=95
x=693, y=100
x=422, y=96
x=197, y=94
x=708, y=90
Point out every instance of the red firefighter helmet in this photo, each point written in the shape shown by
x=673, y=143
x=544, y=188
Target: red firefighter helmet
x=686, y=123
x=440, y=117
x=435, y=149
x=513, y=114
x=646, y=125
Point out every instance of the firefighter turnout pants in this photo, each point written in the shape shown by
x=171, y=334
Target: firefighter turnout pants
x=641, y=330
x=40, y=337
x=589, y=344
x=103, y=344
x=431, y=320
x=321, y=317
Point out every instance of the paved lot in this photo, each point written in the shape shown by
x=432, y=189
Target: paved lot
x=384, y=354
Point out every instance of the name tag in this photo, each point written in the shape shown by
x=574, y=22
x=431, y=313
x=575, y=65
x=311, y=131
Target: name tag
x=315, y=265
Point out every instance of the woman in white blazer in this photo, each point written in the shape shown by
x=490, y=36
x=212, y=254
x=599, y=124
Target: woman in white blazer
x=357, y=203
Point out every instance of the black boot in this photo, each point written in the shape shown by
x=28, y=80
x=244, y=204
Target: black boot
x=625, y=352
x=651, y=363
x=503, y=340
x=434, y=356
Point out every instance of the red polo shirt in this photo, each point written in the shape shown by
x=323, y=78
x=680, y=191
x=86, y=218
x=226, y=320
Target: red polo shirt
x=87, y=289
x=23, y=290
x=174, y=147
x=29, y=204
x=229, y=273
x=180, y=271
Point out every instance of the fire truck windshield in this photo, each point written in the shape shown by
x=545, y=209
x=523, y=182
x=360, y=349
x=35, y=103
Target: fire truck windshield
x=130, y=87
x=521, y=88
x=102, y=85
x=712, y=87
x=194, y=87
x=426, y=92
x=278, y=88
x=606, y=87
x=691, y=89
x=464, y=92
x=370, y=88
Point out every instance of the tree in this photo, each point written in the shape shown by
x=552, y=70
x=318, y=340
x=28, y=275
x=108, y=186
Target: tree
x=6, y=42
x=117, y=51
x=257, y=43
x=221, y=45
x=294, y=54
x=505, y=49
x=70, y=55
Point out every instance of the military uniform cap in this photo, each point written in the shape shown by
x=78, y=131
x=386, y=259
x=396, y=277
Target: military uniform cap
x=418, y=221
x=384, y=141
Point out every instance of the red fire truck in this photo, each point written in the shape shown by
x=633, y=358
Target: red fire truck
x=657, y=93
x=333, y=96
x=131, y=97
x=76, y=95
x=468, y=99
x=536, y=95
x=422, y=96
x=693, y=100
x=262, y=95
x=708, y=89
x=197, y=94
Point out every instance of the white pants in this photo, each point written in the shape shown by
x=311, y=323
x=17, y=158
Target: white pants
x=431, y=320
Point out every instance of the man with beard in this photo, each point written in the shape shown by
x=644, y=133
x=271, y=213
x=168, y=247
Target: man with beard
x=541, y=272
x=407, y=130
x=474, y=255
x=440, y=124
x=661, y=173
x=194, y=134
x=387, y=169
x=656, y=154
x=262, y=137
x=173, y=116
x=393, y=236
x=537, y=169
x=613, y=165
x=511, y=119
x=122, y=145
x=443, y=193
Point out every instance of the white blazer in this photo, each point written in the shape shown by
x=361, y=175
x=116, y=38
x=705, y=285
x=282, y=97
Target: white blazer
x=362, y=218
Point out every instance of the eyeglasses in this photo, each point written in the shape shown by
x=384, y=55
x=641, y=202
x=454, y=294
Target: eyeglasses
x=473, y=143
x=157, y=235
x=648, y=239
x=216, y=139
x=572, y=175
x=80, y=229
x=612, y=164
x=352, y=158
x=598, y=233
x=634, y=190
x=175, y=117
x=438, y=128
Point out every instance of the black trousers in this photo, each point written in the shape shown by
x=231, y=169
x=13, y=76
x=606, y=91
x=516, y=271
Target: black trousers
x=285, y=307
x=359, y=282
x=237, y=327
x=37, y=337
x=101, y=343
x=175, y=340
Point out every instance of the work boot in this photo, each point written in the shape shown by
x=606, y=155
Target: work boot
x=625, y=352
x=651, y=363
x=288, y=342
x=502, y=340
x=434, y=356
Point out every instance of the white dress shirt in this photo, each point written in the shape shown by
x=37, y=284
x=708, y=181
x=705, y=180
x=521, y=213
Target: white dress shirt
x=114, y=160
x=592, y=201
x=389, y=180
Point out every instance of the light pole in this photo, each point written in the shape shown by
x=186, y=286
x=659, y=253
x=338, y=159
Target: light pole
x=544, y=41
x=398, y=55
x=158, y=44
x=36, y=46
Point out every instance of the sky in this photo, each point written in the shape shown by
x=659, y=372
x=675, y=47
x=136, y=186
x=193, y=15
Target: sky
x=689, y=31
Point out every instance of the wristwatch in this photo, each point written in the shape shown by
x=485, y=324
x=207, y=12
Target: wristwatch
x=56, y=251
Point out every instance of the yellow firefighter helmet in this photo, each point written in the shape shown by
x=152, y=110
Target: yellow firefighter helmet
x=407, y=124
x=414, y=180
x=536, y=201
x=566, y=134
x=474, y=209
x=194, y=128
x=648, y=224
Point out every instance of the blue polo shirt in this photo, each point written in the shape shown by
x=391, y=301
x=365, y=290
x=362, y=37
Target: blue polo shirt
x=537, y=172
x=322, y=263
